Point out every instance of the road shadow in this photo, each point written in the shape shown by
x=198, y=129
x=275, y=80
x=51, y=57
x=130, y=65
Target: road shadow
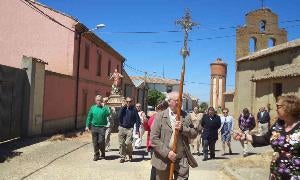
x=140, y=153
x=142, y=147
x=9, y=155
x=251, y=154
x=232, y=154
x=139, y=159
x=9, y=150
x=113, y=150
x=112, y=157
x=220, y=158
x=197, y=154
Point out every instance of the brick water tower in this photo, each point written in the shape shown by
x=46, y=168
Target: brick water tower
x=218, y=83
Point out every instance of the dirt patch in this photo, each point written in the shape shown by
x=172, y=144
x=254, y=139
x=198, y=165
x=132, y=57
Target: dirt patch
x=70, y=136
x=243, y=168
x=260, y=160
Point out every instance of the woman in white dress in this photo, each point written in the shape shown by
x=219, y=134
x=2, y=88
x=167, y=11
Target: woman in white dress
x=226, y=129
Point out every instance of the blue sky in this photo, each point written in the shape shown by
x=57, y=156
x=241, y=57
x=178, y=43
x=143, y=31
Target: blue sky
x=141, y=50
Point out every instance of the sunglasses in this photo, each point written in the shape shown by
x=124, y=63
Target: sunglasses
x=225, y=112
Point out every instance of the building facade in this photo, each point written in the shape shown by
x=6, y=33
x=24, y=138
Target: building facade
x=75, y=72
x=267, y=66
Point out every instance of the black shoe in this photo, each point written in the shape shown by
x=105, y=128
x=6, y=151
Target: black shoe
x=103, y=155
x=212, y=157
x=205, y=159
x=122, y=160
x=130, y=158
x=96, y=158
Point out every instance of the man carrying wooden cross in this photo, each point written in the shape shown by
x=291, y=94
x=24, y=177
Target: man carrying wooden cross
x=162, y=138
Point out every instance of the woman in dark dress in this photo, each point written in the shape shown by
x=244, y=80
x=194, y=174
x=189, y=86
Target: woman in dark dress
x=210, y=123
x=284, y=137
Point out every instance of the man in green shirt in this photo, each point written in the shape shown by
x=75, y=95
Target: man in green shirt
x=96, y=122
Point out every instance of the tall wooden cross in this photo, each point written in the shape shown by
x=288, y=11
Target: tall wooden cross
x=186, y=24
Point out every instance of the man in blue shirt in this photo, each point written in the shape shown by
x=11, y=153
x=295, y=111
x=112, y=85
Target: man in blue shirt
x=128, y=116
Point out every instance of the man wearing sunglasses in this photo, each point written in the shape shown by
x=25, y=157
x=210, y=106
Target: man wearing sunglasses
x=263, y=118
x=128, y=116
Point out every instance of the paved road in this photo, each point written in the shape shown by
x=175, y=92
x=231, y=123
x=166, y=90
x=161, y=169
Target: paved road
x=72, y=159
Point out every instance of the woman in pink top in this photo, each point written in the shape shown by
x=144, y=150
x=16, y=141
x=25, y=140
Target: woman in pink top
x=147, y=126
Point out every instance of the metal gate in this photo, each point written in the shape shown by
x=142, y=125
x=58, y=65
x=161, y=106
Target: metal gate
x=14, y=102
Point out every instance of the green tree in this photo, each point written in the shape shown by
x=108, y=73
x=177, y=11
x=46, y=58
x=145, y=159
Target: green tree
x=154, y=97
x=203, y=106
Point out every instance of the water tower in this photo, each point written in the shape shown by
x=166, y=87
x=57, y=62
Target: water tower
x=218, y=83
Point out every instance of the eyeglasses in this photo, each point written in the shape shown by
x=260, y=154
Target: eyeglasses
x=176, y=100
x=225, y=112
x=278, y=106
x=128, y=101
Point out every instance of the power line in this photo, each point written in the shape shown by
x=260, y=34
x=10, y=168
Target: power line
x=201, y=27
x=32, y=6
x=154, y=74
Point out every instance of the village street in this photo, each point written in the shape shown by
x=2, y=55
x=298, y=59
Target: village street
x=71, y=158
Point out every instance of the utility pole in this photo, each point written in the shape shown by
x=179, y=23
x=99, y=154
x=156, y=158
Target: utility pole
x=163, y=71
x=145, y=104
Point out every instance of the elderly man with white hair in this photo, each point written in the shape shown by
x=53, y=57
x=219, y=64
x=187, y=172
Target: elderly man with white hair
x=162, y=138
x=96, y=122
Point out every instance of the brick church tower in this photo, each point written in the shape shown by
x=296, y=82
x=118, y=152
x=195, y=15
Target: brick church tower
x=218, y=83
x=260, y=32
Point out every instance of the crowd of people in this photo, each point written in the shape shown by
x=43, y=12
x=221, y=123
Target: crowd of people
x=197, y=129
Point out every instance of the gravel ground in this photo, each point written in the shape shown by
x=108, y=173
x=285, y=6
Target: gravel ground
x=70, y=157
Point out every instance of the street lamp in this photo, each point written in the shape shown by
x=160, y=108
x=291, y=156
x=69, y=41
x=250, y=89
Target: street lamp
x=81, y=33
x=99, y=26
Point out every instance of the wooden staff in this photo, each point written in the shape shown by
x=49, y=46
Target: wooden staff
x=187, y=25
x=174, y=147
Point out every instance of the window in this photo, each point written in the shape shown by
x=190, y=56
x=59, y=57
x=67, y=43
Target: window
x=169, y=89
x=109, y=68
x=262, y=26
x=271, y=42
x=252, y=44
x=272, y=65
x=277, y=90
x=97, y=92
x=84, y=102
x=87, y=57
x=99, y=61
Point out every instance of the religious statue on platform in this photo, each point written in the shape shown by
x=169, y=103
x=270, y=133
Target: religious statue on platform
x=116, y=86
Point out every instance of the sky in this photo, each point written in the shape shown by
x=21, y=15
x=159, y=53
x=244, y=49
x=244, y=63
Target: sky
x=158, y=53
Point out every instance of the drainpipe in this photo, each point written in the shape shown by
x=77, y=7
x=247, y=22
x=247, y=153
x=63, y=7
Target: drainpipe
x=77, y=81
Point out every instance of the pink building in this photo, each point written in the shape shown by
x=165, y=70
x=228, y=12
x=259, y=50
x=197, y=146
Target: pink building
x=32, y=29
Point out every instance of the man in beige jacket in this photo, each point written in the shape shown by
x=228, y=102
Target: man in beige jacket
x=162, y=137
